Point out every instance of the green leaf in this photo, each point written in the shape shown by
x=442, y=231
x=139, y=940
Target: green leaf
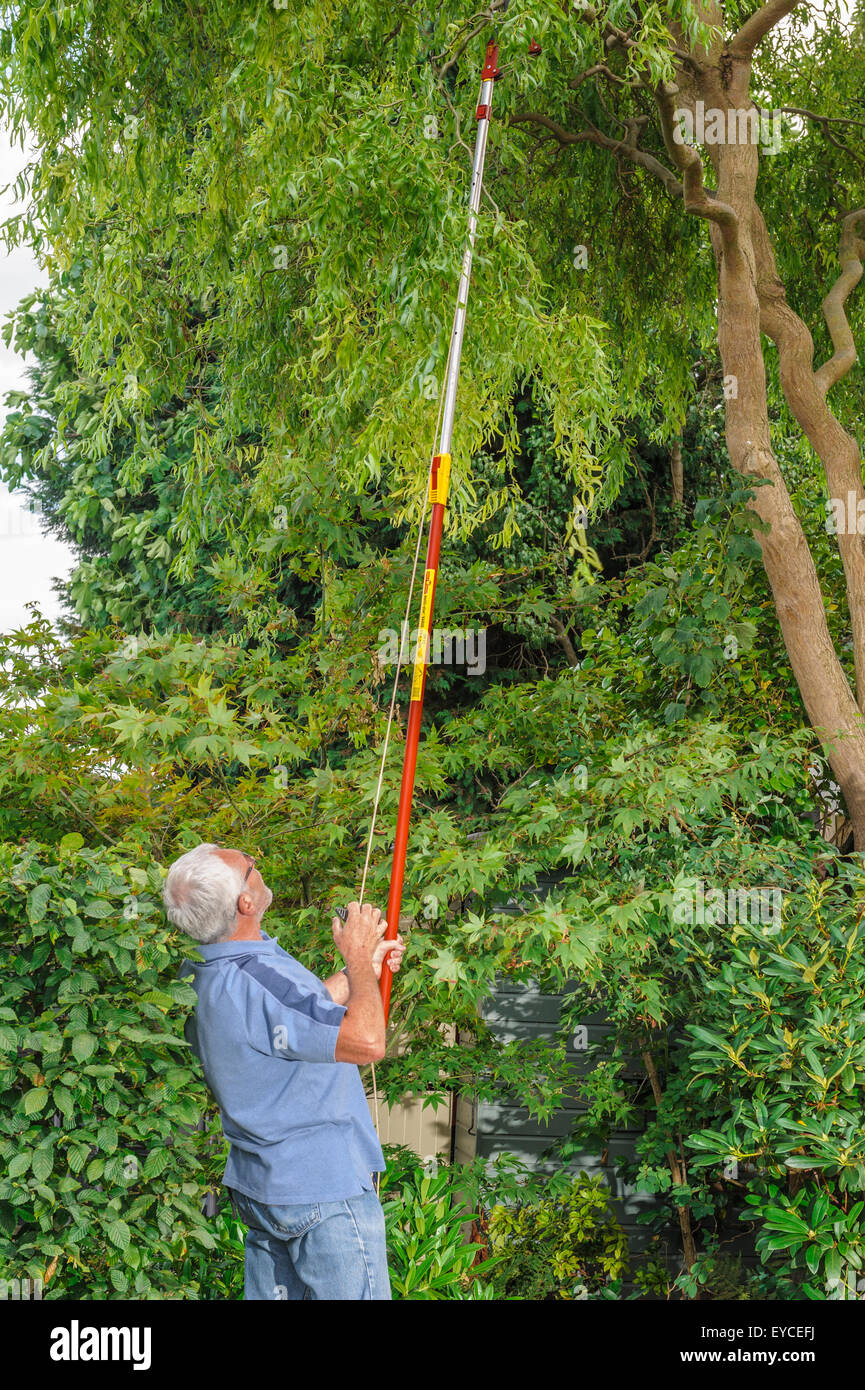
x=77, y=1157
x=64, y=1101
x=118, y=1233
x=83, y=1046
x=833, y=1264
x=156, y=1163
x=106, y=1136
x=100, y=908
x=574, y=847
x=19, y=1165
x=43, y=1163
x=35, y=1100
x=37, y=903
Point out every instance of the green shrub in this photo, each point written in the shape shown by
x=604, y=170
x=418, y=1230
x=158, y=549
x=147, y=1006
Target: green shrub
x=716, y=1276
x=560, y=1247
x=103, y=1166
x=426, y=1214
x=219, y=1273
x=776, y=1071
x=823, y=1234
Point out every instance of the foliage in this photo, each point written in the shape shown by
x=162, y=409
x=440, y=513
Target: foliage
x=171, y=742
x=104, y=1163
x=821, y=1233
x=683, y=626
x=425, y=1218
x=762, y=1071
x=786, y=996
x=271, y=337
x=715, y=1276
x=218, y=1274
x=533, y=1235
x=560, y=1247
x=153, y=744
x=785, y=1047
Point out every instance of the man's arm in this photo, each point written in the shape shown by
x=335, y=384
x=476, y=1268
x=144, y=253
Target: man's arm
x=361, y=1036
x=337, y=987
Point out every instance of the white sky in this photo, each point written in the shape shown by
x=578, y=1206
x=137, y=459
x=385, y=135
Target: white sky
x=29, y=559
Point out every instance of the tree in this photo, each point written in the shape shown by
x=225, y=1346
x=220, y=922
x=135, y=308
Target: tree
x=282, y=205
x=715, y=74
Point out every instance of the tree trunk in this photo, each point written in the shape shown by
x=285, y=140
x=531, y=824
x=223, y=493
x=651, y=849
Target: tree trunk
x=751, y=301
x=677, y=477
x=677, y=1172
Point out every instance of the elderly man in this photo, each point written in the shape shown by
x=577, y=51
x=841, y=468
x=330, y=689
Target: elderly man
x=280, y=1048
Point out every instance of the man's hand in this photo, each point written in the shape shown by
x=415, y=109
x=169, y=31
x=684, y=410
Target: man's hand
x=362, y=1031
x=358, y=938
x=390, y=951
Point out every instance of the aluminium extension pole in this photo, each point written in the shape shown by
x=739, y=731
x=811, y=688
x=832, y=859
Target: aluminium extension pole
x=438, y=491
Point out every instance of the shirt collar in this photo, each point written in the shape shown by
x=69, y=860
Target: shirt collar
x=218, y=949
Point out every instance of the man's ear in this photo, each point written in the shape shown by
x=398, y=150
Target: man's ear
x=246, y=905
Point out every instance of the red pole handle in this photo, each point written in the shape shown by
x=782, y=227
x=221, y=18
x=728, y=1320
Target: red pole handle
x=438, y=483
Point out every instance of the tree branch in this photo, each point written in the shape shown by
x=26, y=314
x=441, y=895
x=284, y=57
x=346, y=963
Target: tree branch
x=850, y=252
x=564, y=137
x=816, y=116
x=592, y=136
x=825, y=123
x=698, y=199
x=565, y=642
x=677, y=476
x=745, y=40
x=574, y=82
x=677, y=1169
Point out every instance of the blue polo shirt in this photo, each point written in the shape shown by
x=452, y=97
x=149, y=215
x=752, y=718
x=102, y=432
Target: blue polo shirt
x=265, y=1029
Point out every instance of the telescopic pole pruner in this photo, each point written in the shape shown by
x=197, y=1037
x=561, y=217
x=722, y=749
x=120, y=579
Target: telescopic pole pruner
x=438, y=490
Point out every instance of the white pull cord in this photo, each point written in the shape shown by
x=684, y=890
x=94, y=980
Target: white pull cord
x=390, y=715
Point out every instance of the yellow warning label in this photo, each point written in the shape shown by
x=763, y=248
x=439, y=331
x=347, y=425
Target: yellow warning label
x=426, y=604
x=440, y=479
x=417, y=680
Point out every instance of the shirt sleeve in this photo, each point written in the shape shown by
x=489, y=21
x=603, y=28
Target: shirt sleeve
x=285, y=1018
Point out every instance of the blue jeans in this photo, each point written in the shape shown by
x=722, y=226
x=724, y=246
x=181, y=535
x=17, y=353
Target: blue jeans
x=324, y=1250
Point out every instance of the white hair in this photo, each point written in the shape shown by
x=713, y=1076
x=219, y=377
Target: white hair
x=200, y=895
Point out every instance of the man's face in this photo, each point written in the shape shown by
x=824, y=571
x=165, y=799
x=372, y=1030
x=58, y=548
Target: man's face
x=254, y=884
